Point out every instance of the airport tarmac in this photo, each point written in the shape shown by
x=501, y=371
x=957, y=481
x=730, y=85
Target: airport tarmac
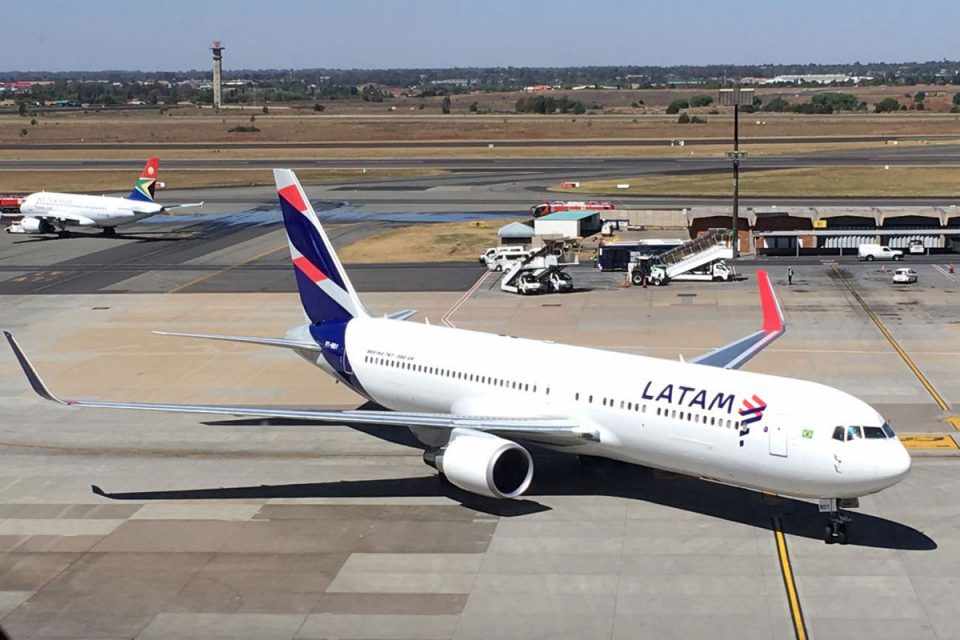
x=235, y=528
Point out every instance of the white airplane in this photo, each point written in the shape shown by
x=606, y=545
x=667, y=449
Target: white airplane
x=473, y=399
x=48, y=212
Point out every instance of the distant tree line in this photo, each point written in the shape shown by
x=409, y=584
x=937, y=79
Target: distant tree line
x=549, y=104
x=453, y=80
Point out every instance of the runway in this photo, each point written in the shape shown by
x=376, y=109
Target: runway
x=430, y=144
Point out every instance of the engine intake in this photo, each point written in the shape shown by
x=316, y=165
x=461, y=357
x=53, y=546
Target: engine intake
x=484, y=464
x=36, y=225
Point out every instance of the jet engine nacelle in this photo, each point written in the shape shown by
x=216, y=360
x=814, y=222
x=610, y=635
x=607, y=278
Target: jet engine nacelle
x=36, y=225
x=484, y=464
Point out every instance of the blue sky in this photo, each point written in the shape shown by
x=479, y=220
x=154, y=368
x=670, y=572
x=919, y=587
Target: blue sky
x=58, y=35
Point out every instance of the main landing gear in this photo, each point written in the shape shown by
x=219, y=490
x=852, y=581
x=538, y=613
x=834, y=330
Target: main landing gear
x=109, y=231
x=835, y=531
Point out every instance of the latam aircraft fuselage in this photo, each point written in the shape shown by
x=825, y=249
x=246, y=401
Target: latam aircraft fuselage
x=759, y=431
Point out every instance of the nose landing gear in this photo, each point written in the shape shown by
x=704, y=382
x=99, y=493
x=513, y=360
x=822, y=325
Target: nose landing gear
x=835, y=532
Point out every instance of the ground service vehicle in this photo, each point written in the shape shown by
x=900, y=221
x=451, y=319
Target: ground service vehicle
x=560, y=281
x=500, y=258
x=917, y=247
x=904, y=276
x=716, y=271
x=872, y=252
x=546, y=208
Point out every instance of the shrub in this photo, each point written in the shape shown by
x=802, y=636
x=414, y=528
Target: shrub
x=266, y=109
x=445, y=105
x=698, y=120
x=887, y=105
x=683, y=119
x=701, y=101
x=33, y=122
x=319, y=107
x=777, y=104
x=243, y=129
x=677, y=105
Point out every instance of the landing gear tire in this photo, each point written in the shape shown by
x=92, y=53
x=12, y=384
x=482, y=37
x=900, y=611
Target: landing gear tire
x=836, y=530
x=109, y=231
x=63, y=233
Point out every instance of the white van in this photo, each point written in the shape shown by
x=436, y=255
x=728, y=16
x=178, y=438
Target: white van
x=496, y=257
x=878, y=252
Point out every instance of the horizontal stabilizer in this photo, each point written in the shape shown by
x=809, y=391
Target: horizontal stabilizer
x=403, y=314
x=269, y=342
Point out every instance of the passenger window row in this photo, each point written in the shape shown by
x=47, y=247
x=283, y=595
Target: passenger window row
x=457, y=375
x=636, y=407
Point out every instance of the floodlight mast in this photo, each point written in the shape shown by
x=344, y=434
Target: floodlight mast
x=736, y=97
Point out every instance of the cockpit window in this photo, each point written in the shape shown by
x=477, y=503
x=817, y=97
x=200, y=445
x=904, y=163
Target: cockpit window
x=853, y=433
x=838, y=433
x=887, y=429
x=874, y=433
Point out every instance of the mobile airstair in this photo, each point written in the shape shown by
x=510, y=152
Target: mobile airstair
x=702, y=258
x=540, y=272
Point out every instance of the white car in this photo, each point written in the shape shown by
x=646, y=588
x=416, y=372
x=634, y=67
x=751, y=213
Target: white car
x=904, y=276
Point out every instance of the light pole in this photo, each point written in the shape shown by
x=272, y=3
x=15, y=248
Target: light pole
x=736, y=97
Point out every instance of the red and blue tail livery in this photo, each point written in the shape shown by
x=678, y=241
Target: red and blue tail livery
x=325, y=289
x=145, y=187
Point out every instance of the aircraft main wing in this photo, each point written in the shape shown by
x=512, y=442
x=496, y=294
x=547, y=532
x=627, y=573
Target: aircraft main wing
x=736, y=354
x=553, y=429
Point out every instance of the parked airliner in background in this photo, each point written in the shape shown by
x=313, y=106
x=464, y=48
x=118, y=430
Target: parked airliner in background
x=48, y=212
x=473, y=415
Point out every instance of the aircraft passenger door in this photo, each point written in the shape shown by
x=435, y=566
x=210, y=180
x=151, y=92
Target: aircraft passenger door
x=777, y=434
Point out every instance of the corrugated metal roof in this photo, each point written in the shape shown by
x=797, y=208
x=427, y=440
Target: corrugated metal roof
x=569, y=215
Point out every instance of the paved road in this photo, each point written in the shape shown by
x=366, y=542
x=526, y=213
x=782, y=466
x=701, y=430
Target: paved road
x=430, y=144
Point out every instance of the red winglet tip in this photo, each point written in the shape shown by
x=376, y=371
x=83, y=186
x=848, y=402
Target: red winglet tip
x=772, y=321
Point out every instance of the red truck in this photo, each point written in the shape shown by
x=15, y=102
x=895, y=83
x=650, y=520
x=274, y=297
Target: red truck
x=10, y=204
x=545, y=208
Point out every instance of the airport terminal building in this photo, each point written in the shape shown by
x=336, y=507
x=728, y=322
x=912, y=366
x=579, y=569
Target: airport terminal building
x=799, y=230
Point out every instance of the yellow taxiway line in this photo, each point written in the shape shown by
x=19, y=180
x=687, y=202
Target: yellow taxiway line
x=932, y=390
x=786, y=570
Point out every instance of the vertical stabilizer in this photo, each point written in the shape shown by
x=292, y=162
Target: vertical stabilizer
x=146, y=184
x=325, y=289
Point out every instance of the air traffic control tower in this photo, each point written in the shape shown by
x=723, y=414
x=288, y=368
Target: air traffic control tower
x=217, y=49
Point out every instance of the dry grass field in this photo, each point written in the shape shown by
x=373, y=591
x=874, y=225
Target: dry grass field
x=441, y=242
x=145, y=128
x=819, y=181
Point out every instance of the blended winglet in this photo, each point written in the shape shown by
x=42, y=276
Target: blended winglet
x=736, y=354
x=773, y=321
x=39, y=386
